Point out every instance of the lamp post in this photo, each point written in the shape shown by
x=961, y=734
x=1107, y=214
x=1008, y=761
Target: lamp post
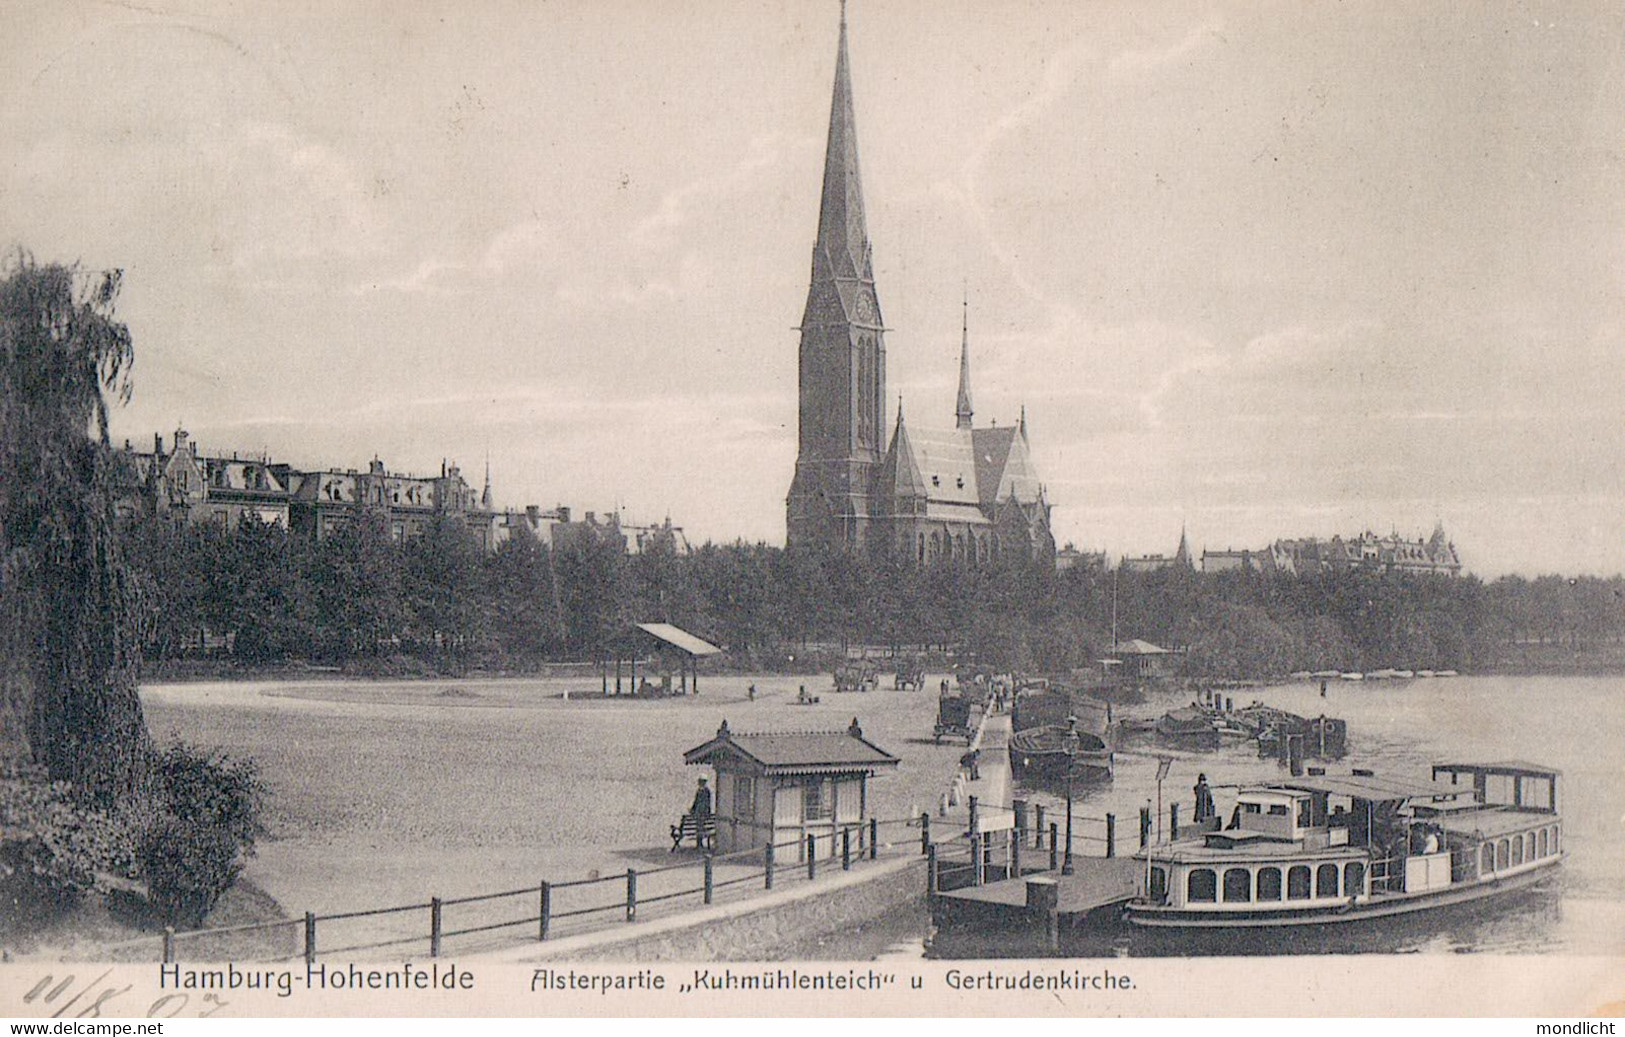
x=1071, y=751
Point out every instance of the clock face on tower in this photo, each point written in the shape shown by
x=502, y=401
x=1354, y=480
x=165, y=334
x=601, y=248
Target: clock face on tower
x=865, y=307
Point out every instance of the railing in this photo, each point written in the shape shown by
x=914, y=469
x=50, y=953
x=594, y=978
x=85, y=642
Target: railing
x=429, y=924
x=981, y=856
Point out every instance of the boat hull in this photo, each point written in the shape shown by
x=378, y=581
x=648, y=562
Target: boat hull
x=1387, y=906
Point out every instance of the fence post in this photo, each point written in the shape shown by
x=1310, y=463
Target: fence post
x=310, y=937
x=710, y=879
x=973, y=818
x=1054, y=846
x=933, y=882
x=1015, y=853
x=434, y=927
x=1173, y=821
x=925, y=832
x=1020, y=808
x=874, y=838
x=631, y=894
x=846, y=849
x=169, y=944
x=1038, y=827
x=812, y=856
x=546, y=911
x=1111, y=835
x=767, y=859
x=1145, y=826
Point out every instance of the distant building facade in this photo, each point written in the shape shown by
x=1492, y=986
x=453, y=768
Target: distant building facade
x=1393, y=553
x=186, y=486
x=930, y=496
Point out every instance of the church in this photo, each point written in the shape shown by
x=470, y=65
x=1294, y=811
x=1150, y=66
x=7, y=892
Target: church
x=956, y=494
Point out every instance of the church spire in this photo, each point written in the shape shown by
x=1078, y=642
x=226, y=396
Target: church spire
x=842, y=250
x=963, y=411
x=1023, y=421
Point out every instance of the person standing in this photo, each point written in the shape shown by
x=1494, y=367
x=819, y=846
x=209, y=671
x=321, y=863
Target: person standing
x=1204, y=799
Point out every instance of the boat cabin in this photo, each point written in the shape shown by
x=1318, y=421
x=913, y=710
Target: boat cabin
x=781, y=787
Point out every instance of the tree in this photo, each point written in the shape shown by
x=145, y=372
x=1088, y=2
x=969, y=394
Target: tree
x=69, y=607
x=522, y=596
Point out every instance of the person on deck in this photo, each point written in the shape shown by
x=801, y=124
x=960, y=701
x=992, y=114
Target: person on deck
x=1204, y=800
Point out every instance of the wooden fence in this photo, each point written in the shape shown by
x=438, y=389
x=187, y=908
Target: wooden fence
x=579, y=905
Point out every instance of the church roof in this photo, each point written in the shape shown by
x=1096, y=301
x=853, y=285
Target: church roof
x=900, y=471
x=946, y=459
x=1004, y=466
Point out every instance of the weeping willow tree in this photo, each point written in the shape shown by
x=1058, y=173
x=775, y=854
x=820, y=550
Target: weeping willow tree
x=69, y=612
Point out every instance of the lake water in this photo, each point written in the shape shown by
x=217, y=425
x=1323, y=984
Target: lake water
x=1399, y=728
x=387, y=792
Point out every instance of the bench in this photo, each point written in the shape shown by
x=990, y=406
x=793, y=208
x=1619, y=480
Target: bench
x=702, y=830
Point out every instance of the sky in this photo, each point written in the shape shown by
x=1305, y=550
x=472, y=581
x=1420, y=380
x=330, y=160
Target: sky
x=1255, y=269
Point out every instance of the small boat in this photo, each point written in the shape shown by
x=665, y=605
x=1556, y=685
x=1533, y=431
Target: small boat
x=1353, y=676
x=1445, y=673
x=1337, y=849
x=1054, y=752
x=1424, y=673
x=1189, y=727
x=1327, y=674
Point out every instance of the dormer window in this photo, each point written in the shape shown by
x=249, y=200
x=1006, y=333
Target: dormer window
x=960, y=482
x=935, y=481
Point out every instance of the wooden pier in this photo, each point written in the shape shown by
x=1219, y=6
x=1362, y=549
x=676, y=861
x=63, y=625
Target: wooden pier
x=993, y=866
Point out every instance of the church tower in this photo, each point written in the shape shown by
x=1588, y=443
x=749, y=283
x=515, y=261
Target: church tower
x=843, y=353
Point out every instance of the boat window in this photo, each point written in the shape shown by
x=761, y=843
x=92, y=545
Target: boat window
x=1353, y=878
x=1238, y=885
x=1503, y=855
x=1278, y=809
x=1556, y=839
x=1201, y=886
x=1159, y=884
x=1517, y=851
x=1487, y=864
x=1297, y=882
x=1529, y=846
x=1545, y=845
x=1305, y=814
x=1251, y=808
x=1326, y=880
x=1269, y=883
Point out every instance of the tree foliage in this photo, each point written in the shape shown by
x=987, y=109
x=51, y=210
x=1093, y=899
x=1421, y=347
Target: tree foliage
x=69, y=646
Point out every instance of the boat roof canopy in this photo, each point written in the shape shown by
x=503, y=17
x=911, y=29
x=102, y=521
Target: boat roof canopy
x=1508, y=768
x=1374, y=789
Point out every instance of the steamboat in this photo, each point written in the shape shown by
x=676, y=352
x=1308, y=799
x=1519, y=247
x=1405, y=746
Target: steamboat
x=1325, y=849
